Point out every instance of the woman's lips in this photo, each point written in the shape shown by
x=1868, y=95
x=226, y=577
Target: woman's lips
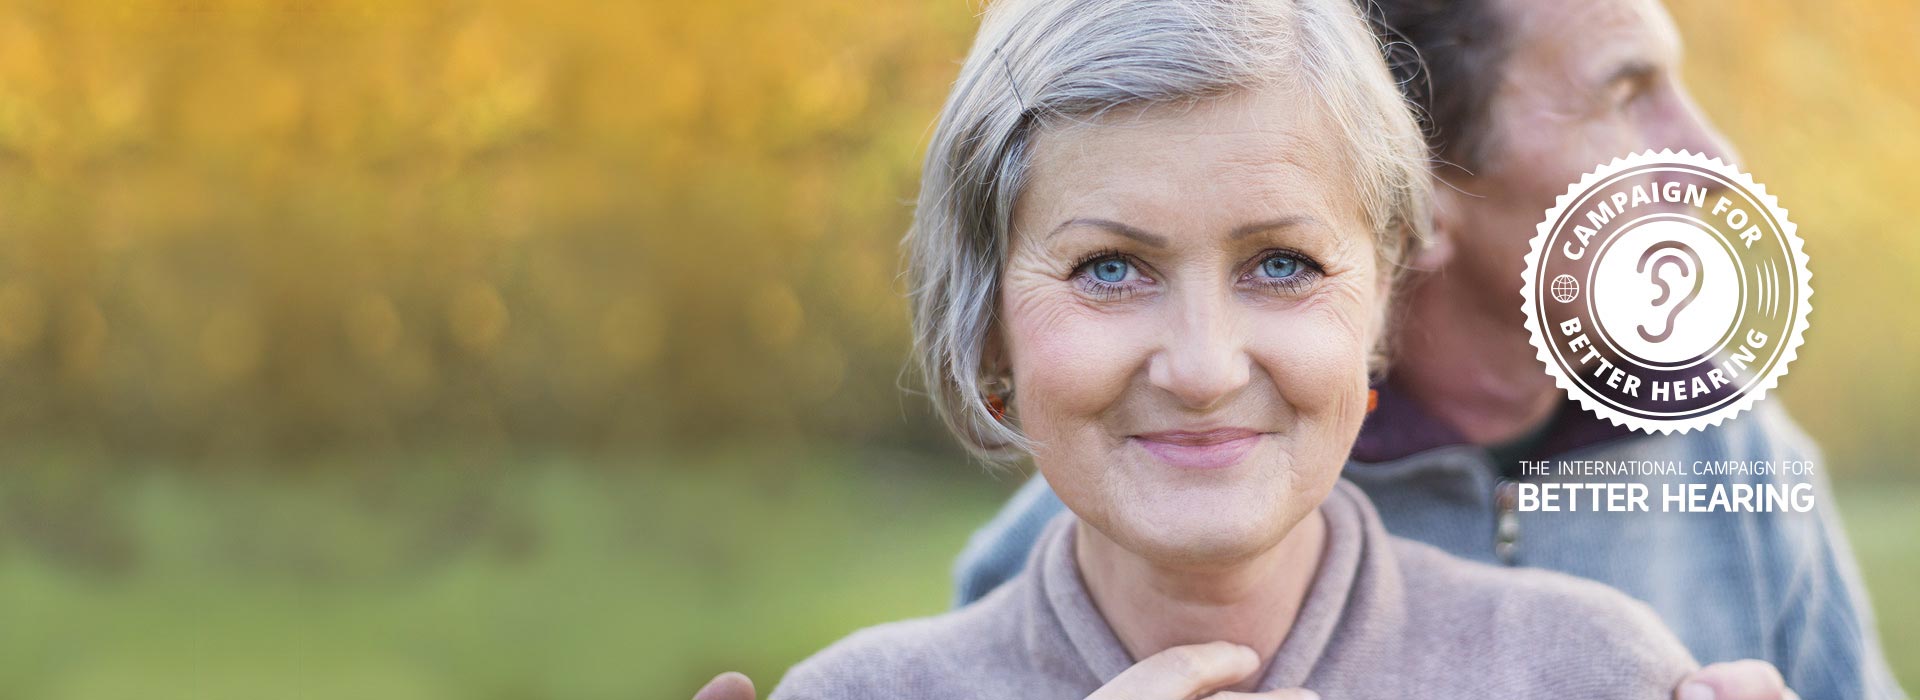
x=1205, y=449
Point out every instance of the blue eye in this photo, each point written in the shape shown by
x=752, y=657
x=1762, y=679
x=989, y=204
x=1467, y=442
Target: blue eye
x=1280, y=267
x=1111, y=270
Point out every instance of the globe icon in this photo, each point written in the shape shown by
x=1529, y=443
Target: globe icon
x=1564, y=288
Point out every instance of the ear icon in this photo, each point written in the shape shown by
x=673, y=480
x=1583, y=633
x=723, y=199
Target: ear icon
x=1670, y=254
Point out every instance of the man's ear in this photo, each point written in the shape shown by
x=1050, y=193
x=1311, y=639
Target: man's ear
x=1447, y=201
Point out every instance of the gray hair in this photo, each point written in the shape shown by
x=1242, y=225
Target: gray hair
x=1036, y=63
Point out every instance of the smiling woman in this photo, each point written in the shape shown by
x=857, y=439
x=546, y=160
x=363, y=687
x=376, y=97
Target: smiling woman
x=1238, y=332
x=1154, y=250
x=1060, y=76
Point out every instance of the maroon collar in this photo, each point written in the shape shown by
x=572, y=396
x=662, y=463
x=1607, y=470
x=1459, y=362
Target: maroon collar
x=1399, y=427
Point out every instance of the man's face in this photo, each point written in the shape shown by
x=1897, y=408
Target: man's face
x=1585, y=81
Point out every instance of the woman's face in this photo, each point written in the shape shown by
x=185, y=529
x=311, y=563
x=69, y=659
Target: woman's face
x=1190, y=300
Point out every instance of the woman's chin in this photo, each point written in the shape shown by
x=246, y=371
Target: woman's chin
x=1206, y=530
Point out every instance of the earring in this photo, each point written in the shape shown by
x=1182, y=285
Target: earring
x=997, y=390
x=1373, y=399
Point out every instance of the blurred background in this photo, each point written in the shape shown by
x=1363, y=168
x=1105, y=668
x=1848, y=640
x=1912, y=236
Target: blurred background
x=515, y=349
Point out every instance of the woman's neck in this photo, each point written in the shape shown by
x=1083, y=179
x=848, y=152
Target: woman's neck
x=1252, y=602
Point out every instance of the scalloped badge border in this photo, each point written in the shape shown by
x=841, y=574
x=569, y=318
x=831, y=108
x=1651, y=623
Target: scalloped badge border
x=1759, y=390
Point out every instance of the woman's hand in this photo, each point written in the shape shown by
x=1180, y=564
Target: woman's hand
x=1193, y=671
x=731, y=685
x=1747, y=679
x=1179, y=673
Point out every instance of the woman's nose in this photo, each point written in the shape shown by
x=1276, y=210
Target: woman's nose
x=1202, y=360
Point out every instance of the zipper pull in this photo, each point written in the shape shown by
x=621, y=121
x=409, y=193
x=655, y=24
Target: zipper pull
x=1506, y=531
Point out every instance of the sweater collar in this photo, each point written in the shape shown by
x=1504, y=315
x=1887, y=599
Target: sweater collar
x=1354, y=535
x=1400, y=427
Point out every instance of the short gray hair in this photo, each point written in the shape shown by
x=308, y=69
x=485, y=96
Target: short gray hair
x=1036, y=63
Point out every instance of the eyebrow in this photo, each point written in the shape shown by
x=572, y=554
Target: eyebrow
x=1288, y=221
x=1152, y=239
x=1159, y=241
x=1631, y=70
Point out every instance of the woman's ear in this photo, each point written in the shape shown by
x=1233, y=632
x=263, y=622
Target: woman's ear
x=1446, y=224
x=993, y=353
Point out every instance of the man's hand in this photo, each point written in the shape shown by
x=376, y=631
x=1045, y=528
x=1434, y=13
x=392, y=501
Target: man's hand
x=731, y=685
x=1192, y=671
x=1746, y=679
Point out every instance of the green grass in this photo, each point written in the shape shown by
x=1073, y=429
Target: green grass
x=557, y=579
x=1883, y=522
x=561, y=581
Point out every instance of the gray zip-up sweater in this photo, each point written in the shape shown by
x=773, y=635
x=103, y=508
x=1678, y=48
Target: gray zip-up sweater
x=1384, y=618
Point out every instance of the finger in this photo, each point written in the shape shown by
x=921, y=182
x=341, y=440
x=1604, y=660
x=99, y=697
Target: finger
x=731, y=685
x=1746, y=679
x=1182, y=672
x=1280, y=694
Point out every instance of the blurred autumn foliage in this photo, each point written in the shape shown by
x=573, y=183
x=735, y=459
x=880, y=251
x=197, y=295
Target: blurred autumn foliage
x=233, y=226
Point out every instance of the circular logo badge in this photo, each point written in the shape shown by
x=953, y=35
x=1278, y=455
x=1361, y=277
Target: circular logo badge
x=1666, y=291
